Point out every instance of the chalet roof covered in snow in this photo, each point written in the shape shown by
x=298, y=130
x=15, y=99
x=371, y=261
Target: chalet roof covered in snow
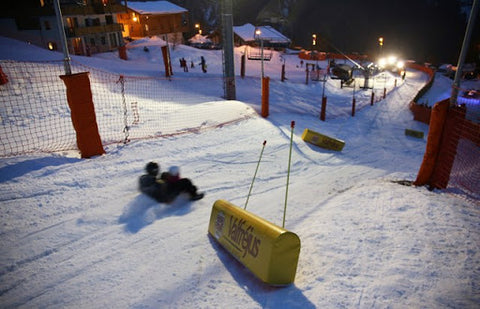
x=155, y=7
x=199, y=39
x=268, y=33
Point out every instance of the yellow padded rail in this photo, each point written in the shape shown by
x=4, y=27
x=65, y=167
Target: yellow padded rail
x=267, y=250
x=321, y=140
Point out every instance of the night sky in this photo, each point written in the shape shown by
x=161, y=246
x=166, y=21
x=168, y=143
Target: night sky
x=422, y=30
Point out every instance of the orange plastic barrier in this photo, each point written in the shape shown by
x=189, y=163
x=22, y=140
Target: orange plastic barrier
x=79, y=97
x=437, y=122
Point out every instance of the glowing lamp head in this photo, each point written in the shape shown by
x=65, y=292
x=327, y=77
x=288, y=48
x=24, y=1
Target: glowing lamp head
x=382, y=62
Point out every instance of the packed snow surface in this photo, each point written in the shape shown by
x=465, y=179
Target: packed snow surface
x=76, y=233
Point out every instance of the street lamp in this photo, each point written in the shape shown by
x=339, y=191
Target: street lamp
x=258, y=33
x=380, y=43
x=314, y=40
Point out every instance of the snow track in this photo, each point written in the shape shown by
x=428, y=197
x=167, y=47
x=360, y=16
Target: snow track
x=77, y=234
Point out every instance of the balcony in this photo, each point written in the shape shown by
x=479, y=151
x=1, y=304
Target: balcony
x=80, y=31
x=68, y=10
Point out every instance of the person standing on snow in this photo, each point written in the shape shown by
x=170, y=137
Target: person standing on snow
x=203, y=64
x=184, y=64
x=166, y=188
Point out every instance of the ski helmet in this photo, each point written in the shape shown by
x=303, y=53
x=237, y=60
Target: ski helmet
x=152, y=168
x=174, y=170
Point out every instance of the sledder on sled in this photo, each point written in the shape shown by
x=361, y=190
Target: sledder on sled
x=167, y=187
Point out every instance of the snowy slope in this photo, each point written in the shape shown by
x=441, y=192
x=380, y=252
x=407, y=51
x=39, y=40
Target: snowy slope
x=76, y=233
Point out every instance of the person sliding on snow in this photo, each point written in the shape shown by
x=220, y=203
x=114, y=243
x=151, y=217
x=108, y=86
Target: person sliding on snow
x=166, y=188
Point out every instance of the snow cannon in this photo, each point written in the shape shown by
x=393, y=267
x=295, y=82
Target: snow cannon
x=267, y=250
x=323, y=141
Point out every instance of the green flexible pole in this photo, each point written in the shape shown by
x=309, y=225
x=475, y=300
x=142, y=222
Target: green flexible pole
x=256, y=170
x=292, y=125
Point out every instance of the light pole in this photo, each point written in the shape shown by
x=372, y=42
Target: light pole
x=258, y=34
x=463, y=53
x=314, y=40
x=63, y=39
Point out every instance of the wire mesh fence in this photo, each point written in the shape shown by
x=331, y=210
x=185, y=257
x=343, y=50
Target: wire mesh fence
x=35, y=116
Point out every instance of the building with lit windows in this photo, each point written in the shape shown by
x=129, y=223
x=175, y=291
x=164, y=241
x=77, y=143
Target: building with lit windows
x=90, y=25
x=150, y=18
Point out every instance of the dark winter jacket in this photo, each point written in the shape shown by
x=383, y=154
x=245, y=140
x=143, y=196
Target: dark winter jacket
x=167, y=188
x=155, y=188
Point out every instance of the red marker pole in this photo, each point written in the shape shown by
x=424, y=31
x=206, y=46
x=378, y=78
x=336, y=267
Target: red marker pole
x=255, y=175
x=292, y=126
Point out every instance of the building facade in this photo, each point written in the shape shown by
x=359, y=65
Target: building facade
x=90, y=25
x=150, y=18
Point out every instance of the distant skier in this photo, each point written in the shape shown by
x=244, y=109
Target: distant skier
x=166, y=188
x=203, y=63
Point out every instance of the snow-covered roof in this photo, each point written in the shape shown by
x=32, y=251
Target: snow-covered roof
x=268, y=33
x=198, y=38
x=155, y=7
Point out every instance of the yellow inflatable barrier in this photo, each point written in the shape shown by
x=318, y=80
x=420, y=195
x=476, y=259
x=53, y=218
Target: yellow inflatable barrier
x=323, y=141
x=267, y=250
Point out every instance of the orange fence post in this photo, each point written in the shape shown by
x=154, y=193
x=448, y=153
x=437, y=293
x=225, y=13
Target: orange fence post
x=265, y=96
x=353, y=107
x=166, y=61
x=122, y=52
x=3, y=77
x=324, y=109
x=79, y=97
x=437, y=122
